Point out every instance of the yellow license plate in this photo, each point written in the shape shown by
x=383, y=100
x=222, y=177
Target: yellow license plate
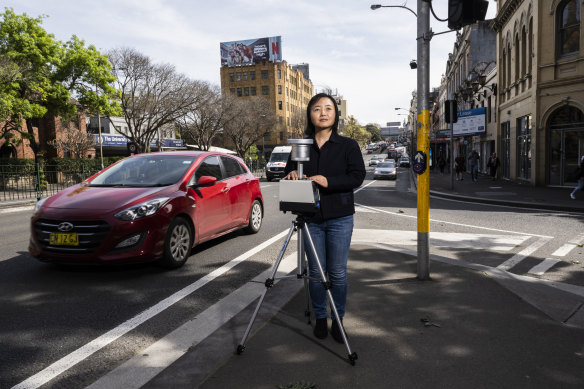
x=60, y=239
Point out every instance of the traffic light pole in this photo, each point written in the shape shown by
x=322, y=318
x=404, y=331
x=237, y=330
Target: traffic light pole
x=423, y=139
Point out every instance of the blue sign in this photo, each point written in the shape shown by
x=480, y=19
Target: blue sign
x=122, y=141
x=419, y=164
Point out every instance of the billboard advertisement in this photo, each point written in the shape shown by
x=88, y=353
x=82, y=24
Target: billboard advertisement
x=470, y=122
x=122, y=141
x=251, y=51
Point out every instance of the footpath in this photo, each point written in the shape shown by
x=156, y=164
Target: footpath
x=468, y=326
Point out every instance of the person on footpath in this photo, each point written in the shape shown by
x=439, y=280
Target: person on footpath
x=459, y=167
x=441, y=164
x=493, y=165
x=336, y=165
x=473, y=160
x=580, y=180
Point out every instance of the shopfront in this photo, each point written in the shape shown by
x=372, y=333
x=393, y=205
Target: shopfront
x=565, y=137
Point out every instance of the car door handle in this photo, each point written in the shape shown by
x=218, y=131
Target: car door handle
x=225, y=190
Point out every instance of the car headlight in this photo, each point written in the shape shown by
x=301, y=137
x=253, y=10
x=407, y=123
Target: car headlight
x=39, y=205
x=147, y=208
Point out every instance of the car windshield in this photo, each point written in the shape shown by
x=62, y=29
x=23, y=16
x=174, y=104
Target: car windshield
x=143, y=171
x=279, y=157
x=386, y=164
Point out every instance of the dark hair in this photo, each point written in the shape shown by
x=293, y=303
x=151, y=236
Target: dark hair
x=310, y=130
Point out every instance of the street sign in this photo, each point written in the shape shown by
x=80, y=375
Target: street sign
x=419, y=164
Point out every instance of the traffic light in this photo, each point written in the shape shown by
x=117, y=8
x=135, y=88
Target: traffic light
x=465, y=12
x=450, y=106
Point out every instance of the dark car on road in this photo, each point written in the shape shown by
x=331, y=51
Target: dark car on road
x=152, y=206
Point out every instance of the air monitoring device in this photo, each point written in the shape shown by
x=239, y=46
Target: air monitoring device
x=299, y=196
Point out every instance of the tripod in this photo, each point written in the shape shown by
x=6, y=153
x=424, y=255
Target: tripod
x=299, y=225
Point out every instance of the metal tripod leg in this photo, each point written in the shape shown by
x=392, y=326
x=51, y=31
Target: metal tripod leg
x=303, y=272
x=269, y=283
x=351, y=355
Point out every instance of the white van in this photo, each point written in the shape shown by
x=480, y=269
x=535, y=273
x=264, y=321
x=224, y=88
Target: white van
x=277, y=163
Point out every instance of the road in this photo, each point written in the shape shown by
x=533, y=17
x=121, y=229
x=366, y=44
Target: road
x=88, y=321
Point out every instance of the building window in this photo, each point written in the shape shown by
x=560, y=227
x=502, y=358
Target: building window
x=252, y=75
x=279, y=74
x=232, y=91
x=238, y=92
x=265, y=90
x=246, y=91
x=280, y=119
x=244, y=76
x=231, y=77
x=280, y=105
x=279, y=89
x=238, y=76
x=253, y=90
x=286, y=91
x=568, y=34
x=524, y=147
x=264, y=74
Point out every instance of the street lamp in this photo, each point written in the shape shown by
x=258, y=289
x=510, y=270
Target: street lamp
x=377, y=6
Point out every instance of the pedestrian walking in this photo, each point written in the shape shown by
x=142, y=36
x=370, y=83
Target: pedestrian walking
x=459, y=167
x=579, y=175
x=441, y=164
x=493, y=165
x=473, y=161
x=336, y=166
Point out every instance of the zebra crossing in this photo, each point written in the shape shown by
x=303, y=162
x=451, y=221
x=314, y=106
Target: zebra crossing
x=513, y=249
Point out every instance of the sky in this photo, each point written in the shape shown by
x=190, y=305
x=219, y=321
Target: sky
x=361, y=54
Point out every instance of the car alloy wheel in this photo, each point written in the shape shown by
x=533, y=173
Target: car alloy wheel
x=255, y=217
x=178, y=244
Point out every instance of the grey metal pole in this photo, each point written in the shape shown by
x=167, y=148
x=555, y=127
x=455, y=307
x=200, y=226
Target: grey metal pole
x=423, y=60
x=451, y=146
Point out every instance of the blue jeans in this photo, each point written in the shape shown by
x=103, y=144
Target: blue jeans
x=474, y=172
x=577, y=188
x=332, y=239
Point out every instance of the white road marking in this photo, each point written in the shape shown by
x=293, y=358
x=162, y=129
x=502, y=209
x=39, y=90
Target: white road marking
x=95, y=345
x=544, y=266
x=137, y=371
x=17, y=209
x=456, y=224
x=520, y=256
x=572, y=244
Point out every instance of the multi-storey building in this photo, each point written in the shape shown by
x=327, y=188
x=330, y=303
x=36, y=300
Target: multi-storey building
x=284, y=85
x=540, y=53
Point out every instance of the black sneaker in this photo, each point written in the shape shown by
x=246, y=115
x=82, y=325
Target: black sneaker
x=336, y=332
x=320, y=328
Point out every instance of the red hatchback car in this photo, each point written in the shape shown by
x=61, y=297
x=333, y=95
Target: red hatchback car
x=153, y=206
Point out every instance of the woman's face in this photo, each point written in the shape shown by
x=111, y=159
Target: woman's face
x=323, y=114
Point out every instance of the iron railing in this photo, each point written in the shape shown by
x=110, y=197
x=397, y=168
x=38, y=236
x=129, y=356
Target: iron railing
x=35, y=182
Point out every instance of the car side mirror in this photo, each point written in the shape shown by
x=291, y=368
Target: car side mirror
x=205, y=181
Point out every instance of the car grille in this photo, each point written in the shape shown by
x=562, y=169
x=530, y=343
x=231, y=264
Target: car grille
x=276, y=169
x=91, y=234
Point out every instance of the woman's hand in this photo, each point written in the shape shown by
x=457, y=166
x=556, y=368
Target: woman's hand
x=320, y=180
x=293, y=175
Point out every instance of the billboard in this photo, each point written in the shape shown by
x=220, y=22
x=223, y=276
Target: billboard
x=470, y=122
x=251, y=51
x=122, y=141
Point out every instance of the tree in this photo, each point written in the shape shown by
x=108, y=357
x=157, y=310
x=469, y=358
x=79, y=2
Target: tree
x=75, y=141
x=252, y=118
x=297, y=124
x=153, y=95
x=41, y=75
x=375, y=132
x=355, y=131
x=202, y=124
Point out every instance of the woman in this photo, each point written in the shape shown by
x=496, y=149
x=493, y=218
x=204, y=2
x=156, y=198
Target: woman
x=460, y=167
x=580, y=180
x=493, y=165
x=336, y=165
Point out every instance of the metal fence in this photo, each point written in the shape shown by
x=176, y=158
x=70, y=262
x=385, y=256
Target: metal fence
x=35, y=182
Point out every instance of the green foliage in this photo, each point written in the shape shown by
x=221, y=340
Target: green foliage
x=252, y=153
x=40, y=75
x=375, y=132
